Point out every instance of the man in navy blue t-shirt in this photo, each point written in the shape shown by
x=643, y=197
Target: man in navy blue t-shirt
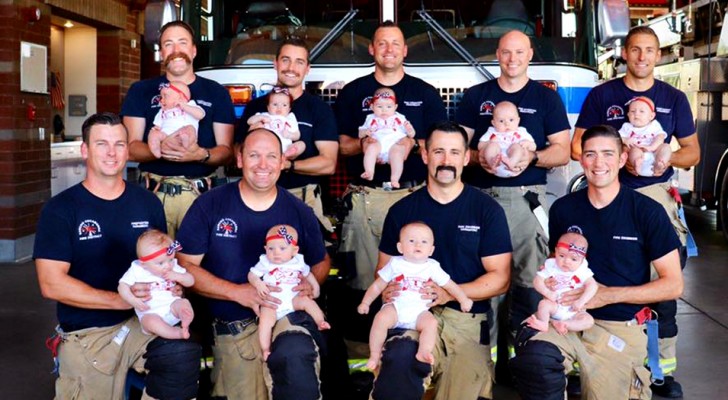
x=607, y=104
x=224, y=235
x=86, y=239
x=303, y=174
x=181, y=174
x=473, y=246
x=626, y=232
x=543, y=115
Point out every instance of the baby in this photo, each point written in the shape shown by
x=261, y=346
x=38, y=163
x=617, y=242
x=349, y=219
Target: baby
x=387, y=126
x=282, y=121
x=281, y=266
x=506, y=144
x=177, y=111
x=409, y=310
x=644, y=137
x=568, y=270
x=156, y=265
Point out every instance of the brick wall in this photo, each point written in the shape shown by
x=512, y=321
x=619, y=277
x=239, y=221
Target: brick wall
x=24, y=152
x=24, y=155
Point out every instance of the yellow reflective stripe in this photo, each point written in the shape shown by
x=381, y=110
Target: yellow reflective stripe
x=668, y=365
x=357, y=365
x=207, y=362
x=333, y=271
x=511, y=351
x=494, y=354
x=576, y=369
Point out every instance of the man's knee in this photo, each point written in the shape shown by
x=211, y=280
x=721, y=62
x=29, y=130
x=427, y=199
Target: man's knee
x=292, y=365
x=174, y=369
x=539, y=371
x=401, y=376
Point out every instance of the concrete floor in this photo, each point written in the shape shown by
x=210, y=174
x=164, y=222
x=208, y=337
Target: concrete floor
x=26, y=320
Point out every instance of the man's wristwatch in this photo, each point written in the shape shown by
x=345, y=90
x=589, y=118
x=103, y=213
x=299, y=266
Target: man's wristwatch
x=534, y=160
x=207, y=156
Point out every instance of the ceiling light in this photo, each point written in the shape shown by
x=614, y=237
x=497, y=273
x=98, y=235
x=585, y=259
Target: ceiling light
x=68, y=24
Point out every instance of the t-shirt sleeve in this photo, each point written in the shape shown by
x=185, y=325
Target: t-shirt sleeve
x=626, y=130
x=556, y=119
x=660, y=236
x=224, y=112
x=467, y=112
x=387, y=272
x=497, y=239
x=584, y=273
x=486, y=136
x=194, y=230
x=192, y=103
x=134, y=102
x=589, y=114
x=439, y=276
x=434, y=111
x=324, y=124
x=312, y=243
x=54, y=235
x=129, y=277
x=258, y=269
x=657, y=128
x=345, y=109
x=390, y=234
x=525, y=136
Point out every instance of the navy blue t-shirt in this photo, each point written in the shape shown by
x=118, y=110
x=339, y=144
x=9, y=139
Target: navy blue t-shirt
x=232, y=236
x=142, y=101
x=624, y=238
x=541, y=111
x=467, y=229
x=607, y=104
x=98, y=238
x=316, y=122
x=417, y=100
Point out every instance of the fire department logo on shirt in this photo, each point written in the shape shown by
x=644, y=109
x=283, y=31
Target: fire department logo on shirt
x=226, y=228
x=366, y=103
x=89, y=229
x=487, y=108
x=615, y=112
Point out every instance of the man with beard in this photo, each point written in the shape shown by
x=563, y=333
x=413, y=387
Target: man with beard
x=182, y=173
x=316, y=123
x=473, y=246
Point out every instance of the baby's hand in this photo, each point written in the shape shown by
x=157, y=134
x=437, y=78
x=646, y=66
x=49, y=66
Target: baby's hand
x=262, y=290
x=140, y=305
x=363, y=309
x=466, y=305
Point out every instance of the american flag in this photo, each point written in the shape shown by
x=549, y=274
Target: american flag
x=57, y=91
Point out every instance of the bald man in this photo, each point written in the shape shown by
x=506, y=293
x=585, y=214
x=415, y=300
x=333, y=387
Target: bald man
x=543, y=115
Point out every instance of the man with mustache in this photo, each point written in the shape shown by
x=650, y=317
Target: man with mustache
x=369, y=200
x=543, y=115
x=473, y=246
x=316, y=123
x=181, y=174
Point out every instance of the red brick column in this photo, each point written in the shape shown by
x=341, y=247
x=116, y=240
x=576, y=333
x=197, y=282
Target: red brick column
x=24, y=143
x=119, y=57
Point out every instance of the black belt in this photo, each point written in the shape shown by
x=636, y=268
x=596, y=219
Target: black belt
x=231, y=327
x=172, y=189
x=402, y=185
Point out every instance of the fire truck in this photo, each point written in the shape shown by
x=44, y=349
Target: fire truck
x=694, y=47
x=451, y=44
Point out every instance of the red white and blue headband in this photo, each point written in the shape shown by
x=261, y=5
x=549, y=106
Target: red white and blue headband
x=171, y=249
x=282, y=233
x=580, y=250
x=384, y=95
x=176, y=89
